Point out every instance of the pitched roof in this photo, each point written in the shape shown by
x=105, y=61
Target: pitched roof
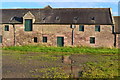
x=61, y=15
x=117, y=24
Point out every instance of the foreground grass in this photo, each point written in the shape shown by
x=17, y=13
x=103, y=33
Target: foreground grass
x=107, y=67
x=97, y=66
x=37, y=48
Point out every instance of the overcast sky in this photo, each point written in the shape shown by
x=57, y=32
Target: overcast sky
x=62, y=4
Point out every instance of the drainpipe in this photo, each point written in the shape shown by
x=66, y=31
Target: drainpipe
x=72, y=27
x=114, y=39
x=14, y=34
x=72, y=36
x=114, y=33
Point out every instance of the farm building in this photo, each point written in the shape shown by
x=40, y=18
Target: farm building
x=95, y=27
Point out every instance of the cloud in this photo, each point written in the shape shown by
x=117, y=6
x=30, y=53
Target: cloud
x=60, y=0
x=11, y=7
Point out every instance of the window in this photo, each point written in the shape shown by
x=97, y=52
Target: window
x=57, y=18
x=60, y=41
x=35, y=39
x=6, y=27
x=92, y=40
x=81, y=28
x=92, y=18
x=75, y=18
x=0, y=39
x=44, y=39
x=97, y=28
x=28, y=24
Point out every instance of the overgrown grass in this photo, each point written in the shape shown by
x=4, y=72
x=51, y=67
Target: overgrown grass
x=107, y=67
x=37, y=48
x=99, y=66
x=52, y=72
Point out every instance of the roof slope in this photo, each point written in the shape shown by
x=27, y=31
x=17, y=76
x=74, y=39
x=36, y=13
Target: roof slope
x=60, y=15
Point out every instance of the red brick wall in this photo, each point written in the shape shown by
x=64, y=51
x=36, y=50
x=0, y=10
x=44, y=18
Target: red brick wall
x=118, y=40
x=7, y=36
x=104, y=38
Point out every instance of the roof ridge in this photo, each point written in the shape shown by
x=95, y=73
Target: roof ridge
x=116, y=16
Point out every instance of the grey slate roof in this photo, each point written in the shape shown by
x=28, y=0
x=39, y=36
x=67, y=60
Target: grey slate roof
x=60, y=15
x=117, y=24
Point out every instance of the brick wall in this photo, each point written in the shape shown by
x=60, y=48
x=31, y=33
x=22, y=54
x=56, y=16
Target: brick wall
x=7, y=36
x=118, y=40
x=104, y=38
x=0, y=33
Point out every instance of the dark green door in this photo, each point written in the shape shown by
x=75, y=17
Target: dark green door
x=60, y=41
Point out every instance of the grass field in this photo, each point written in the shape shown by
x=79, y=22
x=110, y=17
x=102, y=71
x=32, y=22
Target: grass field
x=46, y=62
x=37, y=48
